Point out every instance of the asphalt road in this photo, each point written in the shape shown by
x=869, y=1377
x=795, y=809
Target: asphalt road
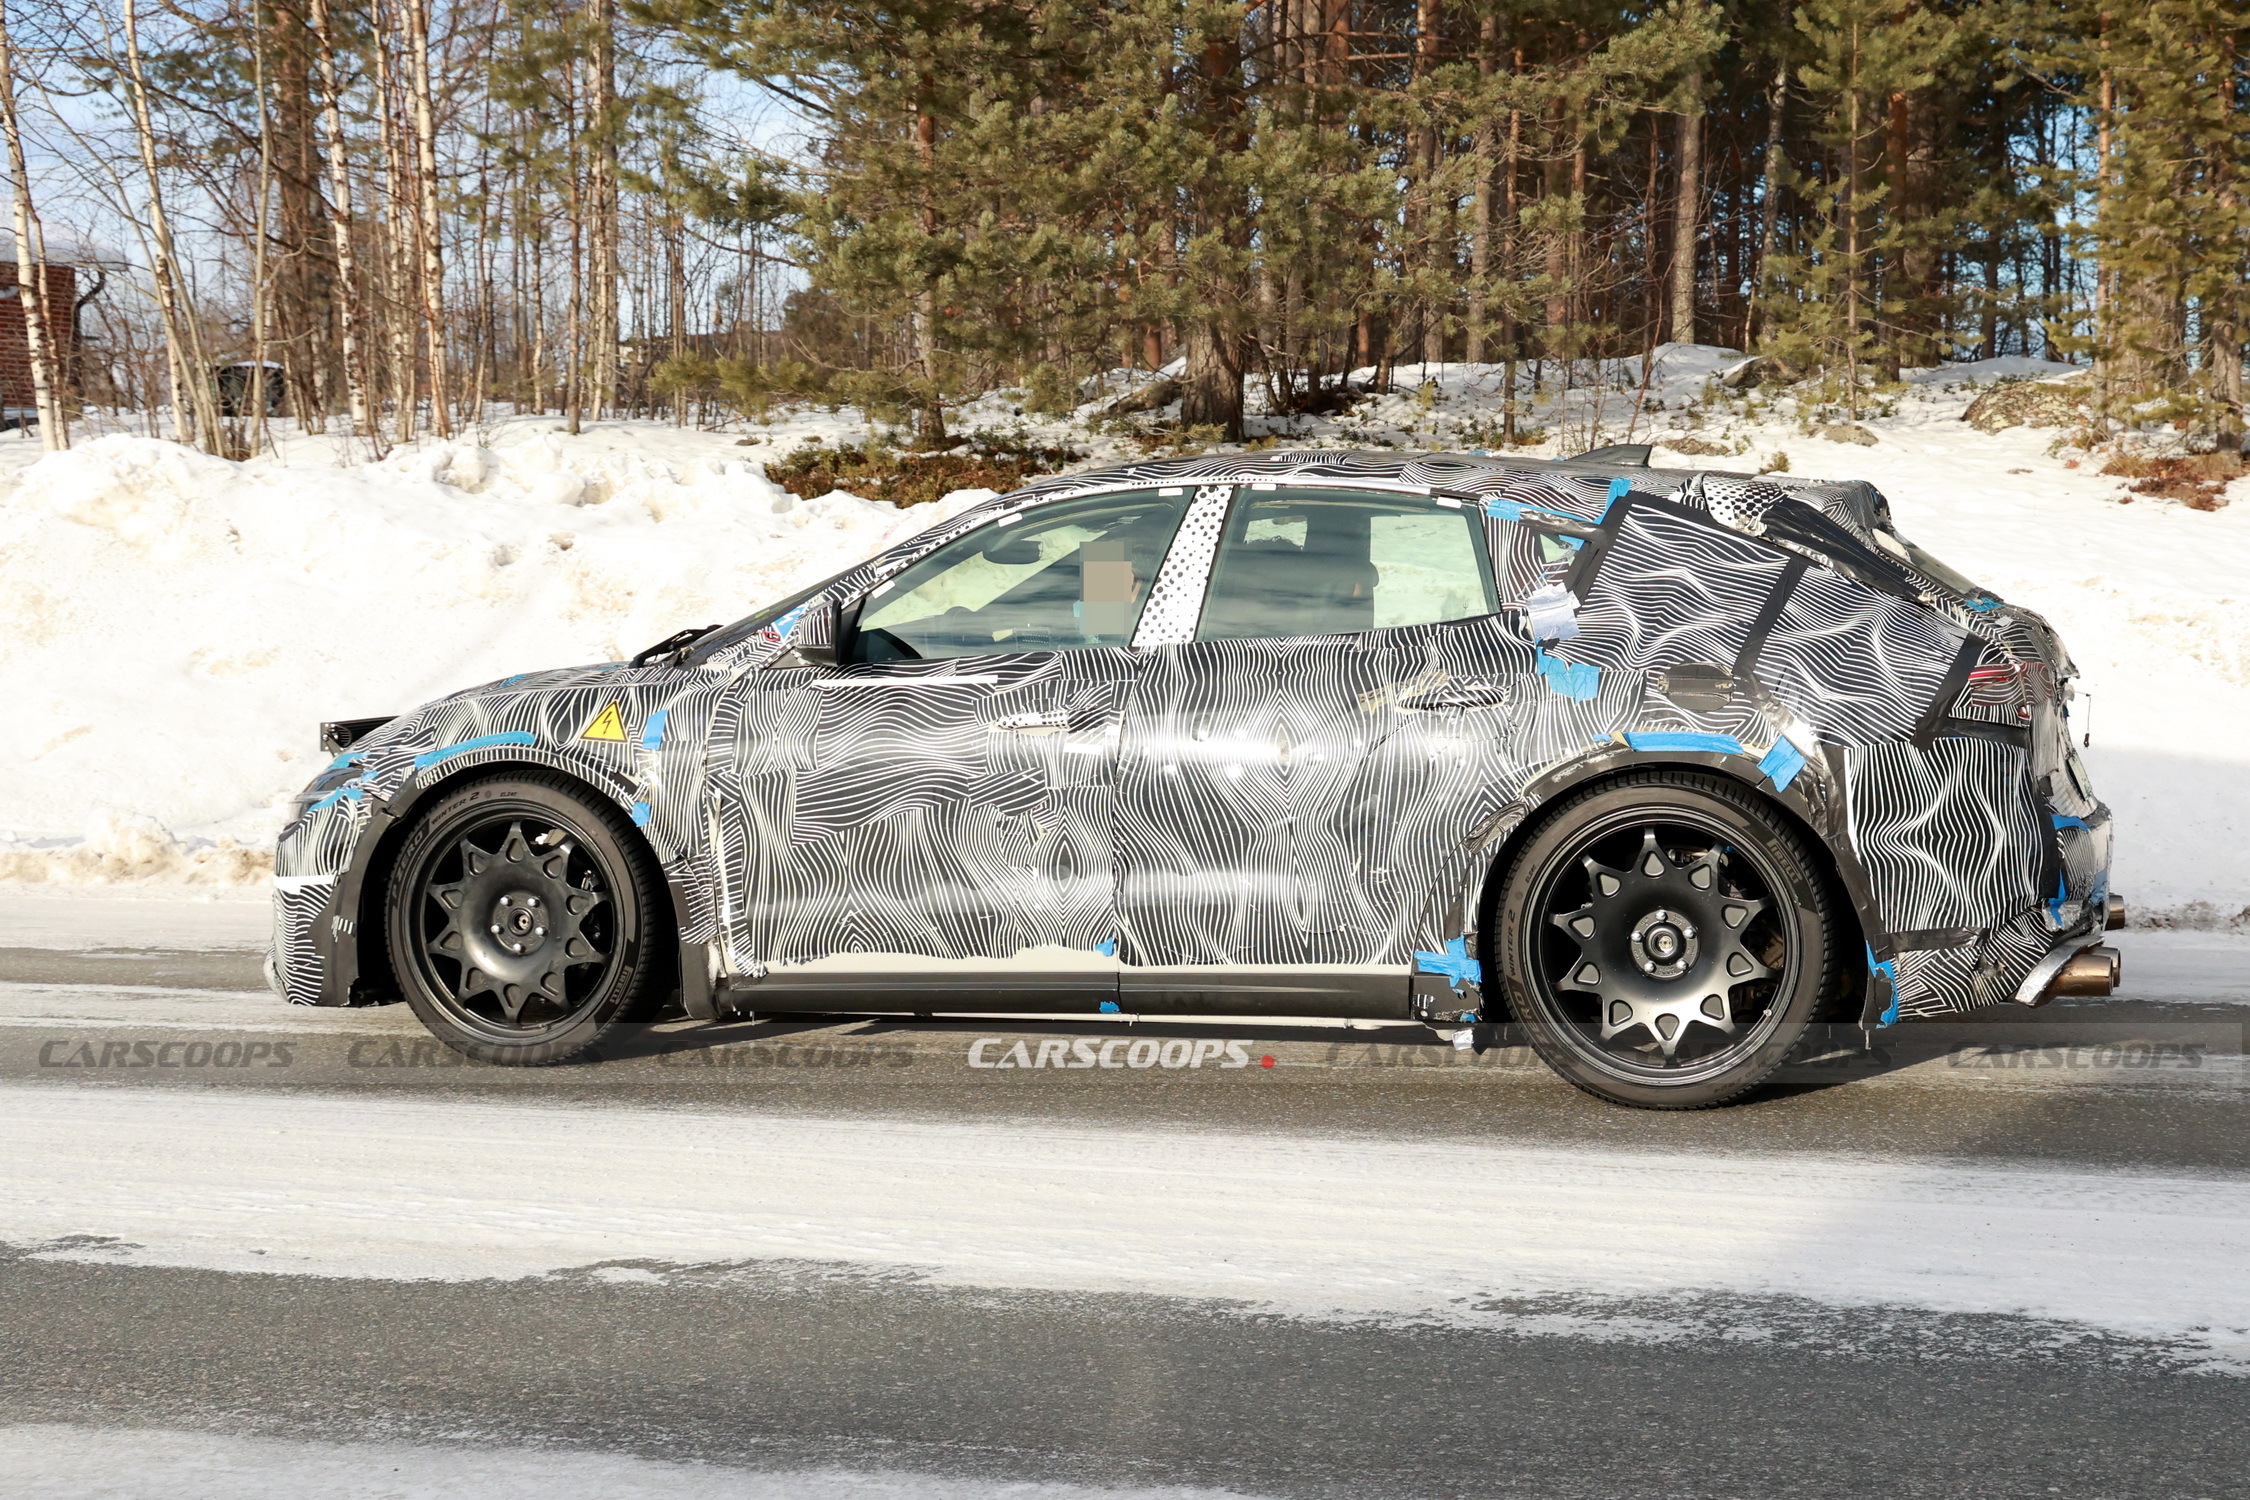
x=782, y=1364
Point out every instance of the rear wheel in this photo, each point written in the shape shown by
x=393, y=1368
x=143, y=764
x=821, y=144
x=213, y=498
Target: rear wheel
x=520, y=917
x=1666, y=940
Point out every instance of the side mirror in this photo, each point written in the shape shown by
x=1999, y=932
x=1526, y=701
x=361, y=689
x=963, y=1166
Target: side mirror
x=816, y=638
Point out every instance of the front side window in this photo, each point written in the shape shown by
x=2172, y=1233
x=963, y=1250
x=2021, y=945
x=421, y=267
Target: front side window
x=1305, y=561
x=1064, y=577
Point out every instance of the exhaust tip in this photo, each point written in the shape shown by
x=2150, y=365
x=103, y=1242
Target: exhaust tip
x=2094, y=972
x=2115, y=917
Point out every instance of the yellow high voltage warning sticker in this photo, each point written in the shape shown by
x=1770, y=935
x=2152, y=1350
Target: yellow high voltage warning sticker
x=607, y=725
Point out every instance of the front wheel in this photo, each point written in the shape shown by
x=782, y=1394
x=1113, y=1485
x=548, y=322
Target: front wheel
x=1666, y=939
x=520, y=919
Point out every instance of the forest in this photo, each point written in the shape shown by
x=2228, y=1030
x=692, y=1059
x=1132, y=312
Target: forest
x=396, y=217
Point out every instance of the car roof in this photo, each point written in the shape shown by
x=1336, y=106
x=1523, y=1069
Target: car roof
x=1855, y=503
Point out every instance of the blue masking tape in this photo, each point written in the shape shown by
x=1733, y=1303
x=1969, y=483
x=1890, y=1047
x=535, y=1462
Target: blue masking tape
x=1570, y=679
x=429, y=758
x=1781, y=764
x=1665, y=739
x=1454, y=963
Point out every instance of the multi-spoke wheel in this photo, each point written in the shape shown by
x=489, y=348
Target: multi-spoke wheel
x=1665, y=940
x=519, y=921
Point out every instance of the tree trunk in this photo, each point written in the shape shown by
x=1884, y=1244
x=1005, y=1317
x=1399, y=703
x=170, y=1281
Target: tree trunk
x=1480, y=202
x=40, y=334
x=195, y=417
x=1769, y=210
x=2223, y=346
x=1510, y=216
x=427, y=225
x=1212, y=324
x=304, y=277
x=349, y=308
x=2105, y=308
x=250, y=434
x=929, y=414
x=1657, y=283
x=1853, y=158
x=1211, y=386
x=604, y=335
x=1436, y=216
x=398, y=299
x=1687, y=214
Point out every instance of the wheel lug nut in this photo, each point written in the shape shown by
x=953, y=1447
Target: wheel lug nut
x=496, y=929
x=538, y=932
x=503, y=900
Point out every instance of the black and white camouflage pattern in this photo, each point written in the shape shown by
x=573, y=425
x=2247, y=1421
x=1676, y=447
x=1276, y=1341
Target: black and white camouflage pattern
x=1316, y=814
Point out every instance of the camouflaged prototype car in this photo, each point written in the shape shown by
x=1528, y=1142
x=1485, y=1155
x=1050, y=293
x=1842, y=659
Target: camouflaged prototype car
x=1662, y=766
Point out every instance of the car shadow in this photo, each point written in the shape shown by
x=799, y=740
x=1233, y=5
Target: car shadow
x=2082, y=1040
x=958, y=1033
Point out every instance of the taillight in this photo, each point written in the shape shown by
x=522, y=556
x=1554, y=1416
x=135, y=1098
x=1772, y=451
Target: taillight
x=2004, y=692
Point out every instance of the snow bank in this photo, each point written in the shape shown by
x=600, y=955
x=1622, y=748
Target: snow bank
x=2153, y=601
x=173, y=626
x=1984, y=371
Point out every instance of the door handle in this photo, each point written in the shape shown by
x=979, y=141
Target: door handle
x=1038, y=721
x=1461, y=694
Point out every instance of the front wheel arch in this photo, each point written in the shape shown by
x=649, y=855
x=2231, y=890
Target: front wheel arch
x=368, y=961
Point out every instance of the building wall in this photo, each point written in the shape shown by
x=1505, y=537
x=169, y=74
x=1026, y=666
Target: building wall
x=61, y=287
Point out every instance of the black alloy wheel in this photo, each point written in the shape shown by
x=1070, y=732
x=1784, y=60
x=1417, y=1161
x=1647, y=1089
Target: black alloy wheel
x=519, y=921
x=1666, y=939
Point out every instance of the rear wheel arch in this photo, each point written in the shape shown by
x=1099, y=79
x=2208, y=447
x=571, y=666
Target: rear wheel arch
x=1623, y=1050
x=1848, y=896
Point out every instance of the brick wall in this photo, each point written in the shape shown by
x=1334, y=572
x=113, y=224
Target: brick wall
x=61, y=287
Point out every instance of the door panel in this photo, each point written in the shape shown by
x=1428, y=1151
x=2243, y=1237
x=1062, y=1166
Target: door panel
x=937, y=813
x=1285, y=801
x=1229, y=747
x=951, y=828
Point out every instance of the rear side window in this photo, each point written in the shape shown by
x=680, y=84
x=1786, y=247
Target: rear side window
x=1304, y=562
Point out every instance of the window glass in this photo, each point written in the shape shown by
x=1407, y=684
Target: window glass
x=1332, y=562
x=741, y=630
x=1064, y=577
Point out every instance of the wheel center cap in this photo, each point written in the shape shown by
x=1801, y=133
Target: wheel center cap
x=1664, y=944
x=519, y=922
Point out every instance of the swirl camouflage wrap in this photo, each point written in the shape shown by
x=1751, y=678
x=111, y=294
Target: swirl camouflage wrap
x=1160, y=810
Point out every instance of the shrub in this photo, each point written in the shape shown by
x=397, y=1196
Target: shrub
x=2197, y=480
x=1048, y=392
x=878, y=472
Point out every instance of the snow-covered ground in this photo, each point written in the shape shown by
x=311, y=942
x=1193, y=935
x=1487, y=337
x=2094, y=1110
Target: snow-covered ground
x=57, y=1462
x=173, y=627
x=135, y=915
x=1479, y=1235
